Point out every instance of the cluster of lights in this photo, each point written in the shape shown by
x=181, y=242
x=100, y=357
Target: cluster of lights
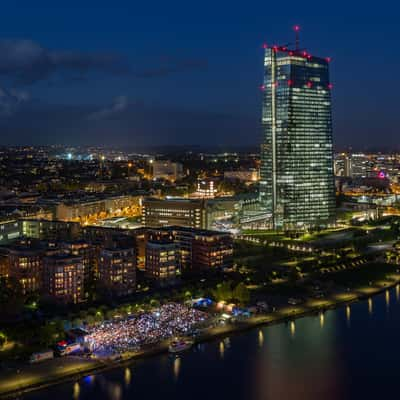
x=302, y=53
x=290, y=82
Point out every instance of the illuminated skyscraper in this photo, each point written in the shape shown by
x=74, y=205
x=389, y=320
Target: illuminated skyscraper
x=296, y=177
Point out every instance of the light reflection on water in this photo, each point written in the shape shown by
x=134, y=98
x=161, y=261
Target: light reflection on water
x=316, y=357
x=292, y=328
x=127, y=376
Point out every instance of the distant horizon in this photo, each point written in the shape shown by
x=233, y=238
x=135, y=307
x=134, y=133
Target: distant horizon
x=198, y=148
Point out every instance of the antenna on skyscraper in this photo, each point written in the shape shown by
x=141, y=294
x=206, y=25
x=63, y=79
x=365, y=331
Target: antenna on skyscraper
x=296, y=28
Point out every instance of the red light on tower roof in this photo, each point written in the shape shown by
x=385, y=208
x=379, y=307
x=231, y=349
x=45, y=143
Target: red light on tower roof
x=328, y=59
x=309, y=84
x=265, y=46
x=330, y=86
x=290, y=53
x=262, y=87
x=296, y=28
x=304, y=54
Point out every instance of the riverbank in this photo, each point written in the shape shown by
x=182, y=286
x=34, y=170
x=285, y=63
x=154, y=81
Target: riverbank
x=71, y=369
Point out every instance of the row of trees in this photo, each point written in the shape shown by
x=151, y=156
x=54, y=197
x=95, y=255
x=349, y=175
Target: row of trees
x=226, y=291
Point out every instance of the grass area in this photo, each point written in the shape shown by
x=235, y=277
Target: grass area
x=363, y=275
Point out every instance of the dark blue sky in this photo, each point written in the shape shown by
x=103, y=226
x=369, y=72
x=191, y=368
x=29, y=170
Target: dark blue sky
x=175, y=72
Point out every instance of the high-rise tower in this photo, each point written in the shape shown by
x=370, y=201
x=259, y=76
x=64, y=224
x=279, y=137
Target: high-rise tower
x=297, y=180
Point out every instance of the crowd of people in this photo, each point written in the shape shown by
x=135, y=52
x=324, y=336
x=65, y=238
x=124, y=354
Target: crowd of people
x=113, y=337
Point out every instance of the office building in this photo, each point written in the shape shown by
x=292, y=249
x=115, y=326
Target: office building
x=297, y=181
x=183, y=212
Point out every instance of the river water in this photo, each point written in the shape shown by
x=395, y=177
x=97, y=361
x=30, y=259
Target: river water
x=349, y=353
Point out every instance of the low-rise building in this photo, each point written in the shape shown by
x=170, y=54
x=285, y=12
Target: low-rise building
x=88, y=253
x=167, y=170
x=117, y=270
x=183, y=212
x=10, y=229
x=211, y=250
x=162, y=259
x=250, y=175
x=63, y=277
x=26, y=267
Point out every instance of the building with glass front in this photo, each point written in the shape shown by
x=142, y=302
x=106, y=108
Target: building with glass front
x=296, y=177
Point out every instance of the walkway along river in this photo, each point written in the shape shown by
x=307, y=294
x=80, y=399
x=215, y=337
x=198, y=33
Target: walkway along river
x=349, y=353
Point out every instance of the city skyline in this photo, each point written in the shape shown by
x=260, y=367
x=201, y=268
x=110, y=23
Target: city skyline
x=95, y=85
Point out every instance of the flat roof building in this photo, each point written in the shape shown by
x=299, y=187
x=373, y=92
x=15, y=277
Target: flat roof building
x=183, y=212
x=63, y=278
x=296, y=178
x=117, y=270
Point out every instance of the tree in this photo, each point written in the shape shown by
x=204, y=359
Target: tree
x=77, y=322
x=3, y=339
x=223, y=291
x=11, y=297
x=294, y=275
x=187, y=295
x=241, y=293
x=154, y=303
x=50, y=332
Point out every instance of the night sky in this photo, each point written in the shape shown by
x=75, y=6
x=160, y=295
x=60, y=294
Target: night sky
x=139, y=73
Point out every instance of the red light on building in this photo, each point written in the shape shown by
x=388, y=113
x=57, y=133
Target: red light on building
x=328, y=59
x=290, y=82
x=304, y=54
x=265, y=46
x=330, y=86
x=309, y=84
x=296, y=28
x=290, y=53
x=276, y=84
x=262, y=87
x=275, y=48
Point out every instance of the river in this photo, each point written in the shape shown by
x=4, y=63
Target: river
x=349, y=353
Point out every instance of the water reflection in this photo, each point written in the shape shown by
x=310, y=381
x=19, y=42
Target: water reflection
x=348, y=314
x=285, y=368
x=330, y=363
x=76, y=391
x=177, y=367
x=387, y=299
x=370, y=306
x=321, y=319
x=260, y=338
x=127, y=376
x=292, y=329
x=221, y=349
x=89, y=379
x=397, y=292
x=115, y=391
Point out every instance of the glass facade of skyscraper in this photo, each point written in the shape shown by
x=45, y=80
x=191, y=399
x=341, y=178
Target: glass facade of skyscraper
x=296, y=177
